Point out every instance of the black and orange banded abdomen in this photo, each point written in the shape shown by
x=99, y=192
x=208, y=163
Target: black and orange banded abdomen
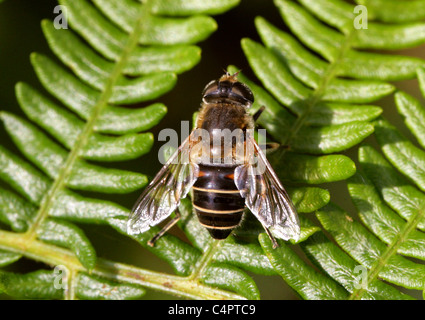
x=216, y=200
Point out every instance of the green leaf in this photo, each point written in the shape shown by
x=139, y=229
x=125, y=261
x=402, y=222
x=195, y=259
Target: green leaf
x=94, y=288
x=94, y=69
x=72, y=206
x=297, y=273
x=176, y=252
x=376, y=35
x=421, y=79
x=7, y=258
x=315, y=170
x=248, y=256
x=321, y=38
x=319, y=87
x=395, y=11
x=371, y=65
x=331, y=139
x=30, y=182
x=19, y=214
x=407, y=158
x=185, y=7
x=319, y=82
x=275, y=75
x=310, y=69
x=401, y=196
x=343, y=269
x=33, y=285
x=50, y=157
x=369, y=251
x=382, y=36
x=157, y=30
x=65, y=234
x=117, y=120
x=357, y=64
x=15, y=212
x=382, y=221
x=312, y=106
x=413, y=113
x=389, y=206
x=115, y=53
x=126, y=91
x=306, y=232
x=308, y=199
x=66, y=127
x=231, y=278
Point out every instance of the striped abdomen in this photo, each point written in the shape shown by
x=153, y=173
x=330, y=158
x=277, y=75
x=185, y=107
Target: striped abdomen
x=217, y=201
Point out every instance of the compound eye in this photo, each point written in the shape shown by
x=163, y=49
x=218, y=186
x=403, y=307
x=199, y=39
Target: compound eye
x=210, y=88
x=242, y=90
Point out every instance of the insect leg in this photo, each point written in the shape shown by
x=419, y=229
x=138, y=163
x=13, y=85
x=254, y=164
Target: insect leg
x=273, y=240
x=274, y=146
x=258, y=113
x=167, y=227
x=271, y=146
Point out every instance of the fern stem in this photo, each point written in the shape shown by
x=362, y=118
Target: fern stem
x=70, y=284
x=207, y=257
x=54, y=256
x=81, y=141
x=27, y=244
x=315, y=98
x=389, y=252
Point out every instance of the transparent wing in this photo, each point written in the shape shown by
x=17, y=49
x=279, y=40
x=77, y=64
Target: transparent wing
x=264, y=194
x=162, y=196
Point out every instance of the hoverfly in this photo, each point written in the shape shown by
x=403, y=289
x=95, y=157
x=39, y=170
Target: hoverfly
x=221, y=189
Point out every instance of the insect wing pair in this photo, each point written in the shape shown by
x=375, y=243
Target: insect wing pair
x=255, y=179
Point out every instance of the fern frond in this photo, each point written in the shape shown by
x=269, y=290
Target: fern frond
x=388, y=195
x=115, y=53
x=320, y=80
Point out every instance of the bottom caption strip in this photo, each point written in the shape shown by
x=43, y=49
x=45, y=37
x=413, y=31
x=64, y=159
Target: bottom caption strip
x=201, y=309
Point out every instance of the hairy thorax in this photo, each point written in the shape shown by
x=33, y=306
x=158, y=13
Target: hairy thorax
x=225, y=126
x=224, y=116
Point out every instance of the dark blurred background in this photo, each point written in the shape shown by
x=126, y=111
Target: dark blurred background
x=20, y=34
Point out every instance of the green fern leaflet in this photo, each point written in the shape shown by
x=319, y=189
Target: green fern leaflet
x=321, y=79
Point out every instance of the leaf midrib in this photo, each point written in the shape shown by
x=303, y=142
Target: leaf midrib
x=311, y=103
x=392, y=248
x=81, y=141
x=28, y=245
x=380, y=263
x=315, y=98
x=187, y=287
